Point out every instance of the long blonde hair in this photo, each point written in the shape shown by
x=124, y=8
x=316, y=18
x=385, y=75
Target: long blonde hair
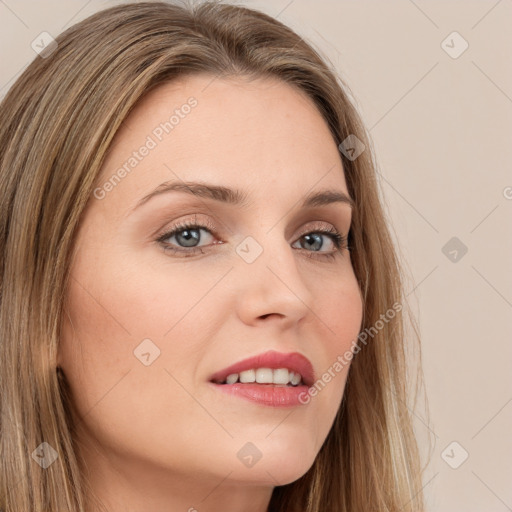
x=58, y=121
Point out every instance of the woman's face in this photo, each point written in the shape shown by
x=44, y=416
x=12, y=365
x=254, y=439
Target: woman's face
x=151, y=318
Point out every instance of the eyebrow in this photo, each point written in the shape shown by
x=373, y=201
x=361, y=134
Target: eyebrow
x=239, y=198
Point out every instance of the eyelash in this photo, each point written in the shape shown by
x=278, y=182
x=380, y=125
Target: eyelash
x=338, y=239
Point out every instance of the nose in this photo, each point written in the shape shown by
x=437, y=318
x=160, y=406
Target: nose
x=272, y=285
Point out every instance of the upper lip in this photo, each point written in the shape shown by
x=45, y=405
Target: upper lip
x=271, y=359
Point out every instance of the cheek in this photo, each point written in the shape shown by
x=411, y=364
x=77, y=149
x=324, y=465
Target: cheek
x=110, y=316
x=339, y=312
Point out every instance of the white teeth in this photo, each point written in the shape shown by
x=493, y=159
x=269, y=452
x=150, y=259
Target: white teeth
x=295, y=379
x=264, y=376
x=281, y=376
x=248, y=376
x=231, y=379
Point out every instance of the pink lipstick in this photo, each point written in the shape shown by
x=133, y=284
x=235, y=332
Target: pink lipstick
x=272, y=378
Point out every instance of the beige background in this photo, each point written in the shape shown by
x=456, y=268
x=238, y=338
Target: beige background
x=442, y=131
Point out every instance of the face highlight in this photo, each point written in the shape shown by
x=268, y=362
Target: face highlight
x=222, y=240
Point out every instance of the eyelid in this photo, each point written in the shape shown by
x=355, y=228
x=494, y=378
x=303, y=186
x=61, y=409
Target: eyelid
x=206, y=222
x=318, y=225
x=211, y=226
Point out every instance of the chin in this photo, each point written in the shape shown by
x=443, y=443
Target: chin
x=280, y=462
x=272, y=474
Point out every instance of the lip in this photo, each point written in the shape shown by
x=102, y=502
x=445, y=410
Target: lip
x=267, y=394
x=270, y=359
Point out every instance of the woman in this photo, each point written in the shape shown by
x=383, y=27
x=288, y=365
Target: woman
x=201, y=306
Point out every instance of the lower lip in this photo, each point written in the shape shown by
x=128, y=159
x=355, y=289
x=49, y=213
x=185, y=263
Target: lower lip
x=266, y=394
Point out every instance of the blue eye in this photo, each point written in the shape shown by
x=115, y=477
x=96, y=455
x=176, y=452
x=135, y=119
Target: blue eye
x=188, y=235
x=315, y=237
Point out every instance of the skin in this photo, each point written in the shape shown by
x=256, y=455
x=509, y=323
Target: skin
x=159, y=437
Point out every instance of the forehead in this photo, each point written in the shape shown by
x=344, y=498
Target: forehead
x=261, y=135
